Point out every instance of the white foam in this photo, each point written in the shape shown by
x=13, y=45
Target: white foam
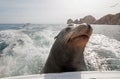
x=101, y=51
x=20, y=57
x=27, y=54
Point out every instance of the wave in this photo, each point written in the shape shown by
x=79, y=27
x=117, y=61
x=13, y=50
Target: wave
x=22, y=53
x=20, y=56
x=102, y=53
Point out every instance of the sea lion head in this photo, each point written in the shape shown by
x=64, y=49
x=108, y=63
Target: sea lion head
x=66, y=54
x=76, y=35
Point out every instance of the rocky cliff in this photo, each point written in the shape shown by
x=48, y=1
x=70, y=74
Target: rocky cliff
x=88, y=19
x=69, y=21
x=107, y=19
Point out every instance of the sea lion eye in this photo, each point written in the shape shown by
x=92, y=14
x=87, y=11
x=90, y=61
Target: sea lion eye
x=68, y=28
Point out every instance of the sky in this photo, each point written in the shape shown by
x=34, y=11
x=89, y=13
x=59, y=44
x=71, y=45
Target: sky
x=54, y=11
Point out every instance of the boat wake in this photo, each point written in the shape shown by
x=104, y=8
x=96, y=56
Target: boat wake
x=24, y=53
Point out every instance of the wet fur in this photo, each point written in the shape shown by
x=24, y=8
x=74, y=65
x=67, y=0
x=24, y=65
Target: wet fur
x=66, y=54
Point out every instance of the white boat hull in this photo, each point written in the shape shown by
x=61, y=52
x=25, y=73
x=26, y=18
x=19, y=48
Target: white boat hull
x=73, y=75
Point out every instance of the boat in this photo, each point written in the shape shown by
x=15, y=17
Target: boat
x=73, y=75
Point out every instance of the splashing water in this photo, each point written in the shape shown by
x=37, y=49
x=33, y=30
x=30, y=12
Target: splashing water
x=102, y=53
x=24, y=51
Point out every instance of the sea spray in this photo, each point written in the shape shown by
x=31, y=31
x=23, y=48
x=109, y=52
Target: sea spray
x=102, y=53
x=20, y=57
x=24, y=51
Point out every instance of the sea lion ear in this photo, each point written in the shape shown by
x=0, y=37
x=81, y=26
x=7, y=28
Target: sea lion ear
x=55, y=37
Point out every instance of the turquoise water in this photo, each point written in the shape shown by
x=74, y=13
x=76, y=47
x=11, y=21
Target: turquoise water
x=24, y=49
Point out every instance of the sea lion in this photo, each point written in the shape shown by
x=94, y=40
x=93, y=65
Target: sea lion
x=66, y=54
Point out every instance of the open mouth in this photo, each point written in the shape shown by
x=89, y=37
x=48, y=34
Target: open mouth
x=79, y=37
x=84, y=36
x=81, y=33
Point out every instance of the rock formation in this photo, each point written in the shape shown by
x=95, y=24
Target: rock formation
x=69, y=21
x=88, y=19
x=109, y=19
x=76, y=21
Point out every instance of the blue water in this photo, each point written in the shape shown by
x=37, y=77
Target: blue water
x=11, y=26
x=24, y=49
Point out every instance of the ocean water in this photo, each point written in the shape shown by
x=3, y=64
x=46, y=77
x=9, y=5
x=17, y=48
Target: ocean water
x=24, y=49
